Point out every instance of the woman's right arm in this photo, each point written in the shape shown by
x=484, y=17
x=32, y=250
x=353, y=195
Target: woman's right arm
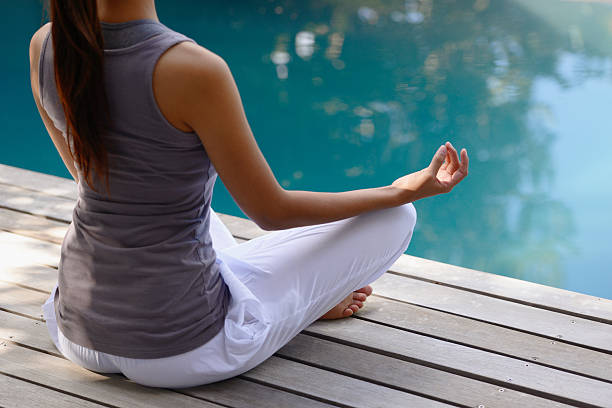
x=206, y=99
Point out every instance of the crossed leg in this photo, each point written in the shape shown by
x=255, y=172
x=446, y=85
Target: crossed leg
x=222, y=239
x=302, y=274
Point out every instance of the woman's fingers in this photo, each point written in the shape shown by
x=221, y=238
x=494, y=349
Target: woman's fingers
x=438, y=159
x=462, y=171
x=465, y=161
x=446, y=162
x=454, y=158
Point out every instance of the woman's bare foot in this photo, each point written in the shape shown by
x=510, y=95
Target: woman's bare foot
x=351, y=304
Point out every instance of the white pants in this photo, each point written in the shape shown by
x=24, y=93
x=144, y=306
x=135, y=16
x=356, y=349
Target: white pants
x=280, y=283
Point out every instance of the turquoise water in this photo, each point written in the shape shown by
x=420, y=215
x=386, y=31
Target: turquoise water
x=353, y=94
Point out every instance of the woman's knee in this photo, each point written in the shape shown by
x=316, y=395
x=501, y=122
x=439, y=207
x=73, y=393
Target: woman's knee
x=389, y=229
x=405, y=217
x=408, y=215
x=402, y=218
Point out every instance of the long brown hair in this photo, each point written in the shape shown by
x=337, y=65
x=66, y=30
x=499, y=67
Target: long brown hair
x=79, y=76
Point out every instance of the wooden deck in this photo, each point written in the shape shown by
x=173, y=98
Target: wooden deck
x=432, y=335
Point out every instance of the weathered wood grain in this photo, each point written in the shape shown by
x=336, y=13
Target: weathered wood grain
x=34, y=202
x=235, y=392
x=241, y=227
x=239, y=393
x=410, y=376
x=504, y=287
x=63, y=375
x=16, y=393
x=332, y=387
x=421, y=320
x=32, y=226
x=27, y=331
x=488, y=337
x=498, y=311
x=407, y=376
x=284, y=374
x=466, y=361
x=505, y=371
x=36, y=277
x=34, y=180
x=19, y=300
x=18, y=250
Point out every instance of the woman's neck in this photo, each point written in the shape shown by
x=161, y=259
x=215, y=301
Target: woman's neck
x=118, y=11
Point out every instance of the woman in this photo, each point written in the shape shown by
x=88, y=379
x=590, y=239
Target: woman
x=151, y=284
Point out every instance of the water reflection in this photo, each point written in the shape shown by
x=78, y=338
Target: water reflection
x=417, y=73
x=346, y=94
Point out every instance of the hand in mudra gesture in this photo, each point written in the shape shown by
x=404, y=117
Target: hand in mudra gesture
x=443, y=173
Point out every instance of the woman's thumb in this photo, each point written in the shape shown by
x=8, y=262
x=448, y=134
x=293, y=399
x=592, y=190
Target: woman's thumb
x=438, y=159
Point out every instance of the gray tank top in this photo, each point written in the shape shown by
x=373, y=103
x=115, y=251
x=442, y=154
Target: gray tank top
x=137, y=273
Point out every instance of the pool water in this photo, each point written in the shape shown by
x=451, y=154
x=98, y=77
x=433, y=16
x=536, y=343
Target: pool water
x=352, y=94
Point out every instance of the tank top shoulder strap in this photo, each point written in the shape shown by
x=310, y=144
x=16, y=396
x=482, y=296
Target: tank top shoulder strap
x=129, y=81
x=132, y=67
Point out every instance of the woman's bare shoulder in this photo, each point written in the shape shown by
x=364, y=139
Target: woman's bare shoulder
x=184, y=76
x=192, y=62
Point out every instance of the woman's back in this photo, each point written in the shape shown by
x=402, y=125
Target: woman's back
x=137, y=275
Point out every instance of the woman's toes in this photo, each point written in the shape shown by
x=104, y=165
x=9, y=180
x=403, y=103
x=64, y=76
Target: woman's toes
x=358, y=303
x=350, y=305
x=359, y=296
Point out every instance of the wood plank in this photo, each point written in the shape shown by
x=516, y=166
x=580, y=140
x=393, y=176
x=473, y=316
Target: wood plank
x=406, y=376
x=421, y=320
x=488, y=337
x=505, y=371
x=241, y=227
x=27, y=331
x=61, y=374
x=477, y=364
x=498, y=311
x=37, y=181
x=18, y=250
x=239, y=393
x=34, y=202
x=16, y=299
x=413, y=377
x=333, y=387
x=514, y=290
x=504, y=287
x=235, y=392
x=32, y=226
x=16, y=393
x=277, y=372
x=36, y=277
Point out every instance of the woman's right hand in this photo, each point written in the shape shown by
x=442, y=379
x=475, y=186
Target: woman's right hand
x=443, y=173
